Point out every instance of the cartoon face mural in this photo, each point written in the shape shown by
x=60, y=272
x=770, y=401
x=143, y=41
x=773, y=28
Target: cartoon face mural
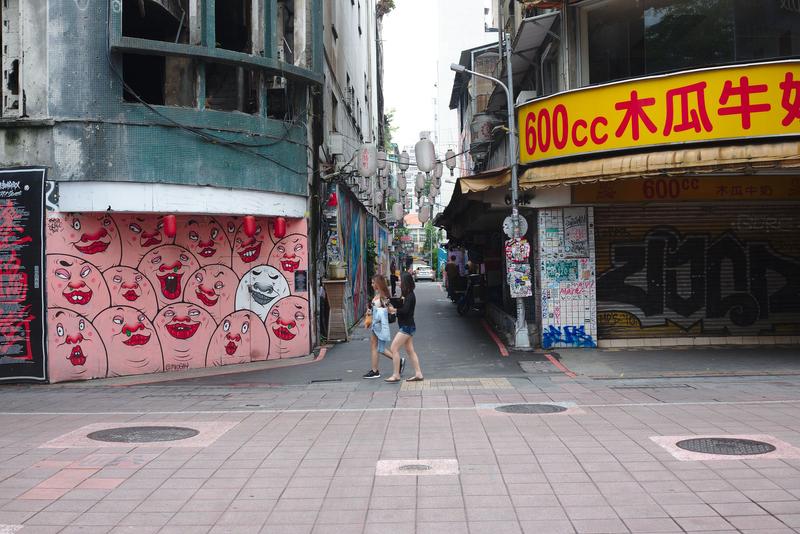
x=74, y=348
x=140, y=234
x=289, y=255
x=260, y=288
x=214, y=288
x=184, y=331
x=129, y=287
x=75, y=284
x=131, y=339
x=131, y=300
x=249, y=251
x=287, y=324
x=167, y=267
x=240, y=337
x=91, y=236
x=206, y=239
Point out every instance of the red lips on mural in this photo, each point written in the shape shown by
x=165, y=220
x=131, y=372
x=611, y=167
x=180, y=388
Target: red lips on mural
x=182, y=330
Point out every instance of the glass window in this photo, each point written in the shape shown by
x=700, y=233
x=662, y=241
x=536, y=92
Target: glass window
x=629, y=38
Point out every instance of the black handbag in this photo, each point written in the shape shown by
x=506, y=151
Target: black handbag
x=395, y=302
x=392, y=317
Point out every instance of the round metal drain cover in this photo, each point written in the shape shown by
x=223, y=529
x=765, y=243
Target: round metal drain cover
x=727, y=446
x=415, y=467
x=531, y=408
x=143, y=434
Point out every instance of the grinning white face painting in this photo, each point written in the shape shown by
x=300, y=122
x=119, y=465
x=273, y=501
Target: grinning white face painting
x=260, y=288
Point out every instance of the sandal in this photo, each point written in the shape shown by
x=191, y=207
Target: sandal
x=392, y=381
x=415, y=379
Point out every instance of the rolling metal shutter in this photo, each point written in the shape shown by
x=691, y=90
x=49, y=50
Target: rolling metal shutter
x=691, y=270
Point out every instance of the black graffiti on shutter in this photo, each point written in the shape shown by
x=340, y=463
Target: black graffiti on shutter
x=728, y=277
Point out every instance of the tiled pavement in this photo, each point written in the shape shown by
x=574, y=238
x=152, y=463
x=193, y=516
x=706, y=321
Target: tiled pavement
x=302, y=459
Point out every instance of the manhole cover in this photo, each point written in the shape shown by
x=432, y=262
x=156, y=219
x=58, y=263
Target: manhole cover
x=531, y=408
x=143, y=434
x=727, y=446
x=415, y=467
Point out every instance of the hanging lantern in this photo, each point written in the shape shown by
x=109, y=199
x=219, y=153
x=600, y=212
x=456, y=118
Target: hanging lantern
x=450, y=160
x=401, y=182
x=333, y=200
x=436, y=182
x=407, y=203
x=403, y=161
x=424, y=213
x=425, y=154
x=378, y=198
x=249, y=225
x=419, y=184
x=381, y=160
x=383, y=182
x=170, y=225
x=397, y=211
x=367, y=160
x=438, y=170
x=279, y=227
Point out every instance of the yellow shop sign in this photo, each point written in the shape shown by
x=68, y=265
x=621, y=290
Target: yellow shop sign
x=740, y=102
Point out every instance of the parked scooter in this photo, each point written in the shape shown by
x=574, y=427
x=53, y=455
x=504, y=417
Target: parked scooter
x=472, y=299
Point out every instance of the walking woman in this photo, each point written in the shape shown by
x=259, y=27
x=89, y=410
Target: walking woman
x=404, y=338
x=378, y=316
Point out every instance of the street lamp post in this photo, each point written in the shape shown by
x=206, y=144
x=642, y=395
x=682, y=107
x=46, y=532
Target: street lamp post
x=521, y=338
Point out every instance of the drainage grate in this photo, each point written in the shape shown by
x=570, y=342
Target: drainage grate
x=143, y=434
x=531, y=408
x=726, y=446
x=415, y=467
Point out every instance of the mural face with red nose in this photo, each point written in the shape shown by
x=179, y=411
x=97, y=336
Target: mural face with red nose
x=184, y=330
x=75, y=284
x=206, y=239
x=131, y=339
x=74, y=349
x=91, y=236
x=248, y=249
x=167, y=267
x=290, y=255
x=214, y=288
x=239, y=338
x=140, y=234
x=129, y=287
x=287, y=324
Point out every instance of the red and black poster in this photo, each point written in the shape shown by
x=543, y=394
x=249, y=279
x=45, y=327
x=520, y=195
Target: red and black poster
x=22, y=353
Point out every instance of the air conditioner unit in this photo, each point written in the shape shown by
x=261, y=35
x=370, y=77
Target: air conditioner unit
x=525, y=96
x=335, y=144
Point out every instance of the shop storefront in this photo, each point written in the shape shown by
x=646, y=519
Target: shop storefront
x=682, y=222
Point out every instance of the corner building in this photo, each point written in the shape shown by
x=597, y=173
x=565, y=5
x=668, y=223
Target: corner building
x=675, y=132
x=175, y=136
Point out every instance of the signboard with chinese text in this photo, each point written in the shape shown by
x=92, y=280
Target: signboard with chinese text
x=22, y=311
x=742, y=188
x=741, y=102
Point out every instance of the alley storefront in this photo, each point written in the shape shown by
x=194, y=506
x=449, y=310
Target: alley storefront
x=687, y=245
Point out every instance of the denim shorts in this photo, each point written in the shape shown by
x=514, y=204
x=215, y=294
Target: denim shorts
x=408, y=330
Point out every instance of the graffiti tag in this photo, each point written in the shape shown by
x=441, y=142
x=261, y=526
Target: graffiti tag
x=573, y=336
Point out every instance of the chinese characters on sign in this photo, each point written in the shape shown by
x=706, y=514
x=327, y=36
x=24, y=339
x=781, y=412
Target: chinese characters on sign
x=741, y=102
x=744, y=188
x=21, y=303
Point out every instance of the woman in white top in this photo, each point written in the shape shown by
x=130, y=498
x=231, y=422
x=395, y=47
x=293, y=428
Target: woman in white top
x=379, y=315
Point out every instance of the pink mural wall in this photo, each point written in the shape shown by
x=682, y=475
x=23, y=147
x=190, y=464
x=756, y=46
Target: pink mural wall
x=123, y=298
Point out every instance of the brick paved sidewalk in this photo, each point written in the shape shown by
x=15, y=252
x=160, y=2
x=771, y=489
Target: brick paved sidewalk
x=305, y=459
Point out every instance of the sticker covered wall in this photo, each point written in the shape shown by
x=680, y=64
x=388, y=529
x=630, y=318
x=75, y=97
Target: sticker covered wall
x=125, y=298
x=566, y=268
